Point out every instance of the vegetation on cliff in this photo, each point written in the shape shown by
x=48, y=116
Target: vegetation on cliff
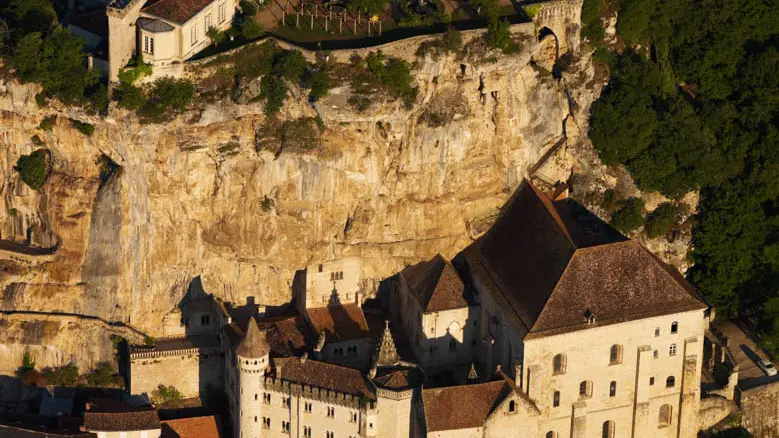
x=34, y=168
x=693, y=103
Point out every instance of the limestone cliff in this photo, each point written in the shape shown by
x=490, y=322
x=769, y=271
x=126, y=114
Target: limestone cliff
x=388, y=185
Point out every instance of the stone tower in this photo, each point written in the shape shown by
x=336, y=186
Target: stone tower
x=252, y=355
x=386, y=353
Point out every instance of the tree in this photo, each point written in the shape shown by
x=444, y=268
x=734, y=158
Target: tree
x=630, y=216
x=661, y=220
x=290, y=64
x=250, y=29
x=33, y=170
x=131, y=97
x=498, y=34
x=634, y=17
x=28, y=362
x=319, y=84
x=215, y=35
x=274, y=90
x=166, y=396
x=248, y=8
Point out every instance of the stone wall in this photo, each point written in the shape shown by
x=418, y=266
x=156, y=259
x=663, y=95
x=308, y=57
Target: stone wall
x=713, y=410
x=191, y=373
x=760, y=409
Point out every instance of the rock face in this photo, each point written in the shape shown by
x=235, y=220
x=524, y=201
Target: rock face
x=199, y=197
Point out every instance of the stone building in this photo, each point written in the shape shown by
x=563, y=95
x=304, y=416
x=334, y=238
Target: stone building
x=550, y=325
x=162, y=31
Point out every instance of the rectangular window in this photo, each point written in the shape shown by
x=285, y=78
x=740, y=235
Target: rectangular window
x=146, y=44
x=266, y=398
x=331, y=412
x=222, y=14
x=205, y=320
x=151, y=46
x=193, y=34
x=207, y=23
x=306, y=432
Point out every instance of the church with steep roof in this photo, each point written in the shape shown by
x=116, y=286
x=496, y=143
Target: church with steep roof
x=551, y=324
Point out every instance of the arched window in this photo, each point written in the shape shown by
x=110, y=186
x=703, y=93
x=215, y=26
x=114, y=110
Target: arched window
x=615, y=355
x=551, y=434
x=657, y=331
x=556, y=399
x=672, y=350
x=665, y=418
x=670, y=382
x=512, y=406
x=608, y=429
x=613, y=388
x=559, y=364
x=585, y=388
x=674, y=327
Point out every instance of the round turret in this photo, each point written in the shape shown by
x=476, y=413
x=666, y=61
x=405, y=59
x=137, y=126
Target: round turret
x=253, y=359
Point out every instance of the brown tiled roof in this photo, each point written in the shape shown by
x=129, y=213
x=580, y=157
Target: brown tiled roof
x=535, y=241
x=322, y=375
x=196, y=427
x=616, y=282
x=340, y=323
x=462, y=407
x=436, y=285
x=254, y=344
x=95, y=22
x=176, y=11
x=398, y=379
x=9, y=431
x=288, y=335
x=121, y=421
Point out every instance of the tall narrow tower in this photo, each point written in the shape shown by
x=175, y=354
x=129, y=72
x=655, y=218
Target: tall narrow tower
x=252, y=355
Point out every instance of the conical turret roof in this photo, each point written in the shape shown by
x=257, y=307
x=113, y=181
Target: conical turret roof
x=254, y=345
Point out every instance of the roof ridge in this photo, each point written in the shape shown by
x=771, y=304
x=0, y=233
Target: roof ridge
x=665, y=268
x=552, y=211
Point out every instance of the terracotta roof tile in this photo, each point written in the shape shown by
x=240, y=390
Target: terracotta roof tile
x=398, y=379
x=436, y=285
x=176, y=11
x=322, y=375
x=177, y=343
x=196, y=427
x=462, y=407
x=121, y=421
x=340, y=323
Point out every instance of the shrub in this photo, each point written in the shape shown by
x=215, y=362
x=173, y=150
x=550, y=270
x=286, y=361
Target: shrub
x=609, y=199
x=248, y=7
x=99, y=99
x=274, y=90
x=266, y=204
x=135, y=70
x=630, y=216
x=47, y=123
x=104, y=376
x=40, y=98
x=37, y=141
x=290, y=64
x=215, y=35
x=300, y=135
x=131, y=97
x=173, y=93
x=28, y=362
x=498, y=34
x=452, y=40
x=661, y=220
x=167, y=396
x=63, y=376
x=250, y=29
x=83, y=127
x=319, y=83
x=148, y=341
x=34, y=168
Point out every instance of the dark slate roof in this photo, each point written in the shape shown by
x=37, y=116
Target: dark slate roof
x=177, y=343
x=176, y=11
x=321, y=375
x=153, y=25
x=462, y=407
x=340, y=323
x=121, y=421
x=95, y=22
x=535, y=241
x=254, y=344
x=436, y=285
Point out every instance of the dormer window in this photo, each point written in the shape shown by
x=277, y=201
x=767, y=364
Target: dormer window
x=589, y=317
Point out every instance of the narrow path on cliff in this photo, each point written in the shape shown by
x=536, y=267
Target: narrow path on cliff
x=77, y=316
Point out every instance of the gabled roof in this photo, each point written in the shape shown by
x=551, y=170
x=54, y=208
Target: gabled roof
x=321, y=375
x=436, y=284
x=551, y=261
x=176, y=11
x=95, y=22
x=344, y=322
x=254, y=344
x=398, y=379
x=462, y=407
